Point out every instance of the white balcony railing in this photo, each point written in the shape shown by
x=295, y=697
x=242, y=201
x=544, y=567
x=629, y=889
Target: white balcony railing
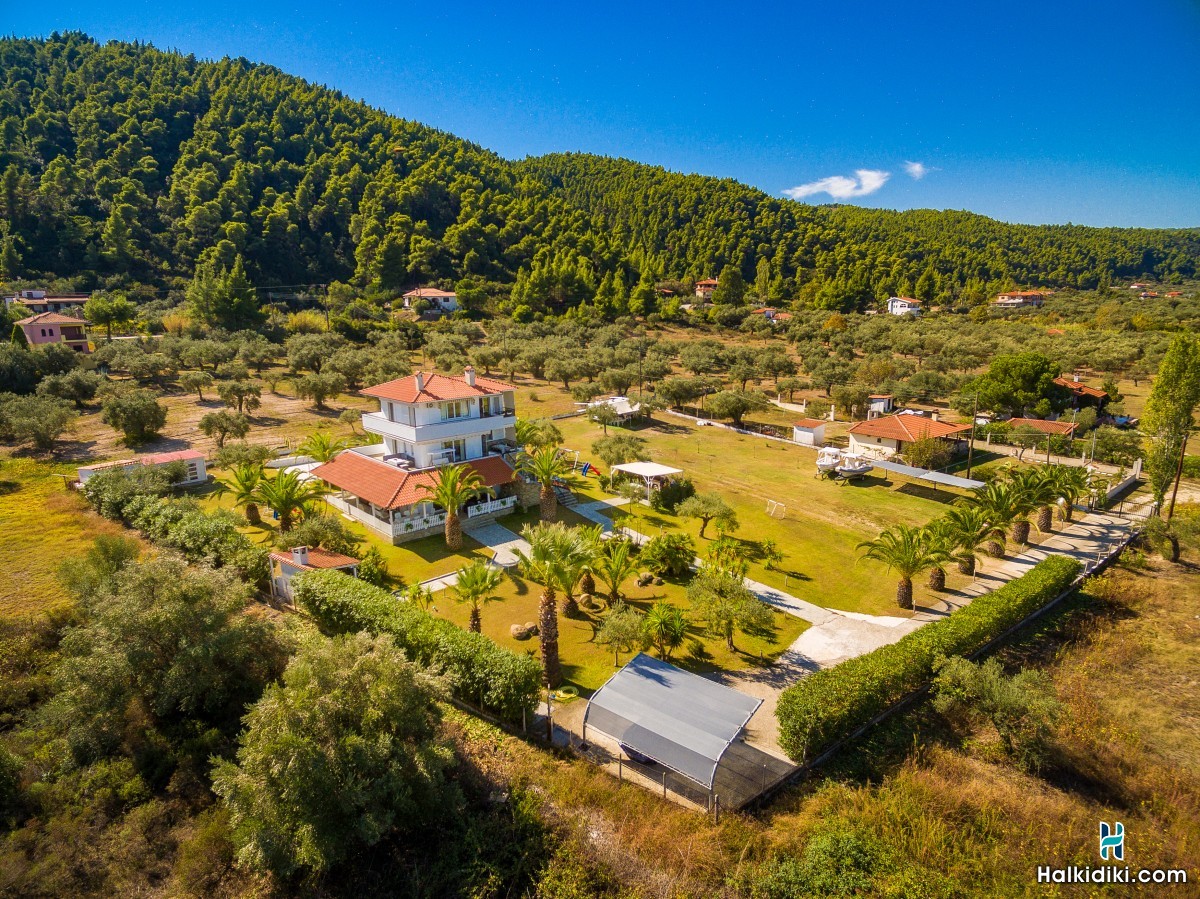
x=495, y=505
x=377, y=423
x=403, y=526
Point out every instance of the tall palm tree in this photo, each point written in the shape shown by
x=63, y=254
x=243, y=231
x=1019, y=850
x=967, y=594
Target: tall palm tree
x=1037, y=485
x=594, y=535
x=477, y=584
x=288, y=495
x=905, y=550
x=456, y=485
x=243, y=483
x=940, y=538
x=614, y=565
x=546, y=466
x=322, y=446
x=542, y=564
x=1070, y=485
x=1004, y=505
x=970, y=530
x=666, y=627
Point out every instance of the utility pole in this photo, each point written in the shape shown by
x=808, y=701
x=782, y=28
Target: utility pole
x=971, y=439
x=1178, y=474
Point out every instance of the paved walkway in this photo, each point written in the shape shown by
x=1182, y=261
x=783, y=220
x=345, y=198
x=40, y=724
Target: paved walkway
x=496, y=537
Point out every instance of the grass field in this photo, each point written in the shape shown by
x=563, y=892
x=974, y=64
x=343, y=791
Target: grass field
x=42, y=523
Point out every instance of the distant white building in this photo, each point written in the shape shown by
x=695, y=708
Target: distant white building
x=705, y=288
x=444, y=301
x=286, y=565
x=809, y=432
x=879, y=404
x=1018, y=299
x=903, y=306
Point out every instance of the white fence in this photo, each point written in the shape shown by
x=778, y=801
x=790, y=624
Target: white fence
x=495, y=505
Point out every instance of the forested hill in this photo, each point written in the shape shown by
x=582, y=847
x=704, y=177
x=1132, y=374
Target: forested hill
x=123, y=164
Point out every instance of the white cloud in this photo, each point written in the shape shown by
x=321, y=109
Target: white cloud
x=916, y=170
x=864, y=182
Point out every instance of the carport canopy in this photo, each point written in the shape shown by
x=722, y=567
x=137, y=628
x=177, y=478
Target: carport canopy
x=648, y=472
x=681, y=720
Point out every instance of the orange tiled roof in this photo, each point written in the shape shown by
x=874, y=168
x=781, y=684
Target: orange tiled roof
x=318, y=558
x=51, y=318
x=389, y=487
x=811, y=423
x=430, y=292
x=1079, y=388
x=1063, y=428
x=435, y=387
x=906, y=428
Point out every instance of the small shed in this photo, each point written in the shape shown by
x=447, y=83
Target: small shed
x=681, y=720
x=879, y=404
x=809, y=432
x=652, y=473
x=193, y=463
x=286, y=565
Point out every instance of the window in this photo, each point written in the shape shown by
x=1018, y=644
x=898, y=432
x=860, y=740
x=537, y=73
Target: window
x=456, y=409
x=459, y=448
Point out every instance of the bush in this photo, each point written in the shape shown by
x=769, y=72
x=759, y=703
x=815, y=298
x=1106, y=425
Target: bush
x=830, y=704
x=668, y=555
x=671, y=495
x=476, y=667
x=137, y=414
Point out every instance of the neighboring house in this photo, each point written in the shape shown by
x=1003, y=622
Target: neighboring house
x=1174, y=293
x=426, y=421
x=286, y=565
x=1018, y=299
x=780, y=318
x=1055, y=428
x=53, y=327
x=1082, y=393
x=879, y=404
x=890, y=434
x=444, y=301
x=35, y=301
x=622, y=407
x=705, y=288
x=809, y=432
x=196, y=472
x=903, y=306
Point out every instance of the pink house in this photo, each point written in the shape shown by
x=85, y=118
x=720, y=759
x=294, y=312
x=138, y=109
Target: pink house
x=54, y=327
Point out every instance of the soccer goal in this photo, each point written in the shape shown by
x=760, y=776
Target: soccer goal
x=776, y=509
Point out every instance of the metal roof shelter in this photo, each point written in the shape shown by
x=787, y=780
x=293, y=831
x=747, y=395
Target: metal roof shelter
x=681, y=720
x=924, y=474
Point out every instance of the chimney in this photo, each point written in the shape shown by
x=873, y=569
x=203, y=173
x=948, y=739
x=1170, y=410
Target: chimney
x=420, y=381
x=300, y=555
x=935, y=417
x=1075, y=378
x=469, y=374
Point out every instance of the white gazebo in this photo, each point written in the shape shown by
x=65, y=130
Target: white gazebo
x=651, y=473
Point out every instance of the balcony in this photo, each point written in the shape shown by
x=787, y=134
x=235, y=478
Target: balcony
x=377, y=423
x=492, y=506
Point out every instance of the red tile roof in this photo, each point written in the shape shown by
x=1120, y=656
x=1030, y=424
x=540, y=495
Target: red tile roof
x=707, y=282
x=177, y=456
x=51, y=318
x=430, y=292
x=1046, y=427
x=389, y=487
x=435, y=387
x=783, y=316
x=880, y=396
x=318, y=558
x=906, y=428
x=811, y=423
x=1079, y=388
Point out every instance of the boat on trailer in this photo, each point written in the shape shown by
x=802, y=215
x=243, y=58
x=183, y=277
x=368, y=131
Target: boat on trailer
x=828, y=459
x=853, y=466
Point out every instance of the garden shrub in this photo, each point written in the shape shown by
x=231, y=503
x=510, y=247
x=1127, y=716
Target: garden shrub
x=476, y=668
x=830, y=704
x=671, y=495
x=668, y=555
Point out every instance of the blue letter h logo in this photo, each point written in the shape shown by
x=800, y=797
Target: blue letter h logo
x=1112, y=841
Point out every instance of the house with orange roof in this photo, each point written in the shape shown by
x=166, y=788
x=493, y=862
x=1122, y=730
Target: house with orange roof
x=443, y=301
x=54, y=327
x=1082, y=394
x=1053, y=428
x=890, y=434
x=34, y=301
x=286, y=565
x=705, y=288
x=426, y=421
x=1019, y=299
x=903, y=306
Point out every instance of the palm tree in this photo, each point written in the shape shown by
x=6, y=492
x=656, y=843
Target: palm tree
x=287, y=495
x=1003, y=505
x=1070, y=484
x=594, y=535
x=1037, y=485
x=905, y=550
x=940, y=539
x=542, y=564
x=666, y=627
x=577, y=554
x=243, y=484
x=614, y=565
x=546, y=466
x=321, y=446
x=477, y=584
x=456, y=485
x=970, y=530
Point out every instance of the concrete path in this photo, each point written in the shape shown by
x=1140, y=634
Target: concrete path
x=500, y=540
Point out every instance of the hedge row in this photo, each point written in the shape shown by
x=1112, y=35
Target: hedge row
x=507, y=683
x=830, y=704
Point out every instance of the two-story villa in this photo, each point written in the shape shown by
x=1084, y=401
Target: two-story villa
x=426, y=421
x=52, y=327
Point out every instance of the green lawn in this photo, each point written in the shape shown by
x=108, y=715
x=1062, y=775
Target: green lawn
x=823, y=523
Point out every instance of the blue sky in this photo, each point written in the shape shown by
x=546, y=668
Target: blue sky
x=1049, y=111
